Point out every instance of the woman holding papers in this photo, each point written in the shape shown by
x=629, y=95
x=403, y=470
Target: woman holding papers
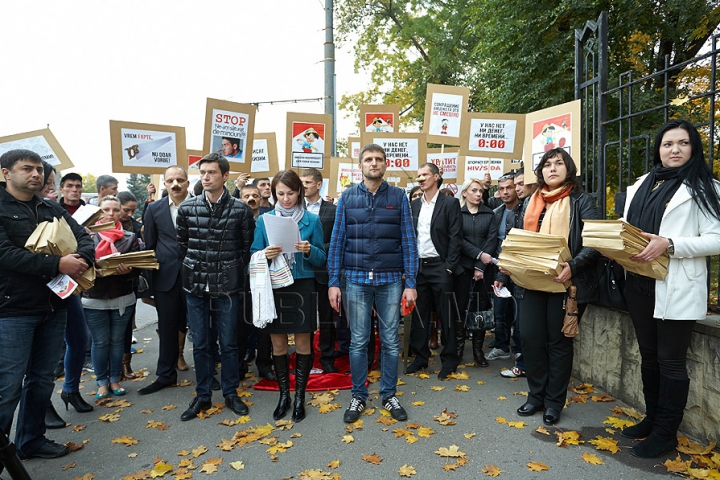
x=677, y=205
x=110, y=304
x=558, y=207
x=480, y=232
x=295, y=304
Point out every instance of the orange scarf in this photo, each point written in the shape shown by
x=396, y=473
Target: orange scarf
x=106, y=246
x=540, y=201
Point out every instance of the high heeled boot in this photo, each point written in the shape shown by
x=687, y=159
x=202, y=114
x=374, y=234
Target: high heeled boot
x=671, y=408
x=52, y=419
x=303, y=364
x=477, y=343
x=127, y=371
x=283, y=378
x=651, y=391
x=460, y=340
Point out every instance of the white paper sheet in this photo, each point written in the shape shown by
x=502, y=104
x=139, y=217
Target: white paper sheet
x=282, y=231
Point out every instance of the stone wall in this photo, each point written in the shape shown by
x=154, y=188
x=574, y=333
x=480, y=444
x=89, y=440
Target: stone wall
x=606, y=355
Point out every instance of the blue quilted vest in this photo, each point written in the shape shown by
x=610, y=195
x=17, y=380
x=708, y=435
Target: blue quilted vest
x=373, y=236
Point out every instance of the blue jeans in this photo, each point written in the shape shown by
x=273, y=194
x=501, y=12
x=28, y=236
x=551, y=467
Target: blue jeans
x=107, y=328
x=76, y=338
x=222, y=313
x=358, y=302
x=29, y=349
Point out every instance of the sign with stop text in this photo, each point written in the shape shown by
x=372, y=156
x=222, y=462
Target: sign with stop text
x=404, y=153
x=496, y=135
x=146, y=148
x=42, y=142
x=229, y=130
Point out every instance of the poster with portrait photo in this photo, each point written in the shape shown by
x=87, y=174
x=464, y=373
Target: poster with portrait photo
x=447, y=160
x=145, y=147
x=42, y=142
x=354, y=147
x=306, y=140
x=554, y=127
x=344, y=173
x=404, y=152
x=496, y=135
x=265, y=155
x=378, y=119
x=229, y=130
x=445, y=110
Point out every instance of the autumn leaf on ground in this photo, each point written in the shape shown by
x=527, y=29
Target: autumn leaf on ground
x=460, y=375
x=348, y=439
x=423, y=375
x=592, y=459
x=501, y=420
x=199, y=451
x=185, y=383
x=630, y=412
x=462, y=461
x=387, y=421
x=480, y=382
x=368, y=411
x=87, y=476
x=491, y=470
x=321, y=399
x=399, y=432
x=334, y=464
x=209, y=468
x=579, y=398
x=444, y=419
x=328, y=407
x=583, y=388
x=296, y=435
x=537, y=466
x=425, y=432
x=225, y=445
x=146, y=412
x=606, y=443
x=187, y=463
x=374, y=459
x=450, y=466
x=78, y=428
x=517, y=424
x=618, y=423
x=153, y=424
x=160, y=469
x=602, y=398
x=69, y=465
x=502, y=398
x=280, y=447
x=125, y=440
x=109, y=417
x=677, y=465
x=400, y=382
x=183, y=453
x=437, y=388
x=469, y=435
x=570, y=437
x=315, y=474
x=419, y=403
x=411, y=439
x=453, y=451
x=358, y=424
x=542, y=430
x=167, y=408
x=284, y=425
x=611, y=431
x=373, y=376
x=694, y=448
x=407, y=471
x=462, y=388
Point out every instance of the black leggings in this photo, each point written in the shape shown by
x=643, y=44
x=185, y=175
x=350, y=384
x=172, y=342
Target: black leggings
x=663, y=343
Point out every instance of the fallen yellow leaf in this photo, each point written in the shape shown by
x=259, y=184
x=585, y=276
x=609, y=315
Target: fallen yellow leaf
x=537, y=466
x=407, y=471
x=450, y=466
x=237, y=465
x=491, y=470
x=517, y=424
x=160, y=469
x=453, y=451
x=501, y=420
x=348, y=439
x=437, y=388
x=462, y=388
x=592, y=459
x=125, y=440
x=469, y=435
x=542, y=430
x=419, y=403
x=199, y=451
x=502, y=398
x=425, y=432
x=605, y=443
x=334, y=464
x=423, y=375
x=374, y=459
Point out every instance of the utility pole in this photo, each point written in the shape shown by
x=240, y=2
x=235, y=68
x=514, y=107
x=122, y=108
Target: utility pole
x=330, y=101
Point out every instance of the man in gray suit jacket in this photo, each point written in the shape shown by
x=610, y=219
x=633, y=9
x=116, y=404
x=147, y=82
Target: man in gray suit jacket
x=160, y=235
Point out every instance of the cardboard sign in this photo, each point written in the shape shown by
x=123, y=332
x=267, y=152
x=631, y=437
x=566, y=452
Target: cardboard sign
x=194, y=156
x=378, y=119
x=447, y=160
x=404, y=152
x=306, y=140
x=553, y=127
x=445, y=110
x=496, y=135
x=146, y=147
x=354, y=147
x=477, y=167
x=265, y=155
x=344, y=172
x=42, y=142
x=229, y=128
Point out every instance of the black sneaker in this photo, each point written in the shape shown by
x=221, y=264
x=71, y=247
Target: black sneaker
x=356, y=407
x=392, y=405
x=88, y=367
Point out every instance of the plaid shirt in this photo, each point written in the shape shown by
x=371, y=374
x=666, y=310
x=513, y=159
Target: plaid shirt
x=365, y=277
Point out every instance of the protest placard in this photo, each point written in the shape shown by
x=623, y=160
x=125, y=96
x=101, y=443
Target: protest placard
x=447, y=159
x=354, y=147
x=477, y=167
x=344, y=172
x=265, y=155
x=553, y=127
x=145, y=147
x=308, y=141
x=378, y=119
x=194, y=156
x=42, y=142
x=229, y=128
x=445, y=110
x=496, y=135
x=404, y=152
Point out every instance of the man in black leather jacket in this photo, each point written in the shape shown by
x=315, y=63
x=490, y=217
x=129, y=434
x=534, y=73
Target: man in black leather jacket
x=215, y=232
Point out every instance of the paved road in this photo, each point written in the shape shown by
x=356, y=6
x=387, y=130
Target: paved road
x=318, y=440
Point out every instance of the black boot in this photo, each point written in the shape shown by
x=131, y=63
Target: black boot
x=52, y=419
x=460, y=340
x=671, y=407
x=303, y=364
x=477, y=343
x=651, y=388
x=283, y=378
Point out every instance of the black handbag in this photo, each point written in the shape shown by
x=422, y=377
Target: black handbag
x=478, y=319
x=611, y=285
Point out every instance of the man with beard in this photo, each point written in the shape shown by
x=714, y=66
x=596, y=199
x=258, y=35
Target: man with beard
x=160, y=221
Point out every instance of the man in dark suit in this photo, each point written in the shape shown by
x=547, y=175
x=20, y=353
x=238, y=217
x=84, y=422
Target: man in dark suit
x=438, y=228
x=312, y=181
x=160, y=220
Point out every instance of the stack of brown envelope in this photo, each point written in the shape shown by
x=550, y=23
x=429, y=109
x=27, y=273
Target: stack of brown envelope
x=57, y=238
x=87, y=214
x=534, y=259
x=619, y=240
x=144, y=259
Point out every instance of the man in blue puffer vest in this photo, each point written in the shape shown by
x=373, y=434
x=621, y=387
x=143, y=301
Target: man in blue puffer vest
x=373, y=244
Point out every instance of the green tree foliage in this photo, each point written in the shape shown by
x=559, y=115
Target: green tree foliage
x=88, y=183
x=137, y=185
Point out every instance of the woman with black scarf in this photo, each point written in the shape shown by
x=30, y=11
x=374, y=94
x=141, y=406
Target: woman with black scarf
x=677, y=205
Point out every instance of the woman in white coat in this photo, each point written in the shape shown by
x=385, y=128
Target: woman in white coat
x=677, y=205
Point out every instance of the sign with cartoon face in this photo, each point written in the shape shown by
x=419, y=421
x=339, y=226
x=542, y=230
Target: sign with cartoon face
x=378, y=119
x=344, y=173
x=145, y=147
x=229, y=130
x=42, y=142
x=308, y=142
x=445, y=110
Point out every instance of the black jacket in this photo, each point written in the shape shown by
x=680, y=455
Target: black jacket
x=584, y=272
x=215, y=243
x=445, y=229
x=24, y=275
x=160, y=235
x=479, y=235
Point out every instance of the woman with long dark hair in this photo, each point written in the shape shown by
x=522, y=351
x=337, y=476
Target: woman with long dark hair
x=677, y=205
x=558, y=207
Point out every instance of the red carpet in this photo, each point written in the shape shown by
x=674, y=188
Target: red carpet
x=318, y=380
